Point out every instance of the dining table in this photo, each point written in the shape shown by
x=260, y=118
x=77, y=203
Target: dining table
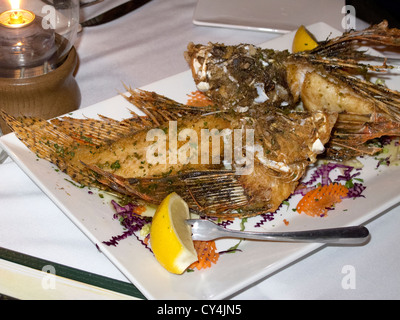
x=37, y=239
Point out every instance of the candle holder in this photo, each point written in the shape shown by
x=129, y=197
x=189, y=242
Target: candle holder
x=37, y=58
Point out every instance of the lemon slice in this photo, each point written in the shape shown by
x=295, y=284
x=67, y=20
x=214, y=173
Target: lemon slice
x=303, y=40
x=170, y=236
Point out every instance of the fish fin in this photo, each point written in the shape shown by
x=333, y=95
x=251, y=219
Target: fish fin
x=40, y=136
x=156, y=108
x=211, y=193
x=353, y=132
x=95, y=131
x=341, y=52
x=386, y=101
x=377, y=34
x=339, y=56
x=159, y=109
x=49, y=143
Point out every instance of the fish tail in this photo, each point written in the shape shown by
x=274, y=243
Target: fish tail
x=51, y=141
x=39, y=135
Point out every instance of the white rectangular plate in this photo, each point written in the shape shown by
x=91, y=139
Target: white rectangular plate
x=279, y=16
x=257, y=260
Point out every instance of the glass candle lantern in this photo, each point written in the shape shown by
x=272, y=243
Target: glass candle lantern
x=38, y=58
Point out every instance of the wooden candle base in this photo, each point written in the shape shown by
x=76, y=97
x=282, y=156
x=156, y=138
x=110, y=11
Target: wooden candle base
x=45, y=96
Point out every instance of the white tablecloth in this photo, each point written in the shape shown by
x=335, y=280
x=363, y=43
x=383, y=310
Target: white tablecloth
x=138, y=49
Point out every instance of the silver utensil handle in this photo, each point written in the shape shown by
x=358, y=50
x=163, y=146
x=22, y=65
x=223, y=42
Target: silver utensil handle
x=345, y=235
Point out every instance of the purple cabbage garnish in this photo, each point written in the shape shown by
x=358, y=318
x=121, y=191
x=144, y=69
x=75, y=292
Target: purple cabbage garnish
x=322, y=176
x=130, y=220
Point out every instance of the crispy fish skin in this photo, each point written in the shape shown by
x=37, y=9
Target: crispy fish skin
x=129, y=154
x=319, y=91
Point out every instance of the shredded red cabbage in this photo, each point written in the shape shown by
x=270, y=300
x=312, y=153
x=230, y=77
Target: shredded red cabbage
x=265, y=217
x=383, y=161
x=322, y=175
x=225, y=223
x=130, y=220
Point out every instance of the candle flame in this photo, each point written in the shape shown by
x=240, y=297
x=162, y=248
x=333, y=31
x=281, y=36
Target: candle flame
x=14, y=4
x=16, y=17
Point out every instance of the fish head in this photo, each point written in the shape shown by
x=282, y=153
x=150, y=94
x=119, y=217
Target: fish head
x=240, y=76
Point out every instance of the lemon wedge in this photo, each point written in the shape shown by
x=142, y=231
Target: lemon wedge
x=170, y=236
x=303, y=40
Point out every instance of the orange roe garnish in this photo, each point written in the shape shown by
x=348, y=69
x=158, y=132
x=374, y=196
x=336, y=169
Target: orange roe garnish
x=198, y=99
x=317, y=202
x=286, y=222
x=206, y=253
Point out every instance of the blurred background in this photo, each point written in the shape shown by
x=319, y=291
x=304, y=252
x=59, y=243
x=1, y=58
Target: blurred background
x=374, y=11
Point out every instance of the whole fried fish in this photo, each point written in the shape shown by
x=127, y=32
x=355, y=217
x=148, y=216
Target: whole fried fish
x=223, y=163
x=328, y=78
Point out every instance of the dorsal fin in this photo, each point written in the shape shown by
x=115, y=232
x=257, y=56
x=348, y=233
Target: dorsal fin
x=160, y=109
